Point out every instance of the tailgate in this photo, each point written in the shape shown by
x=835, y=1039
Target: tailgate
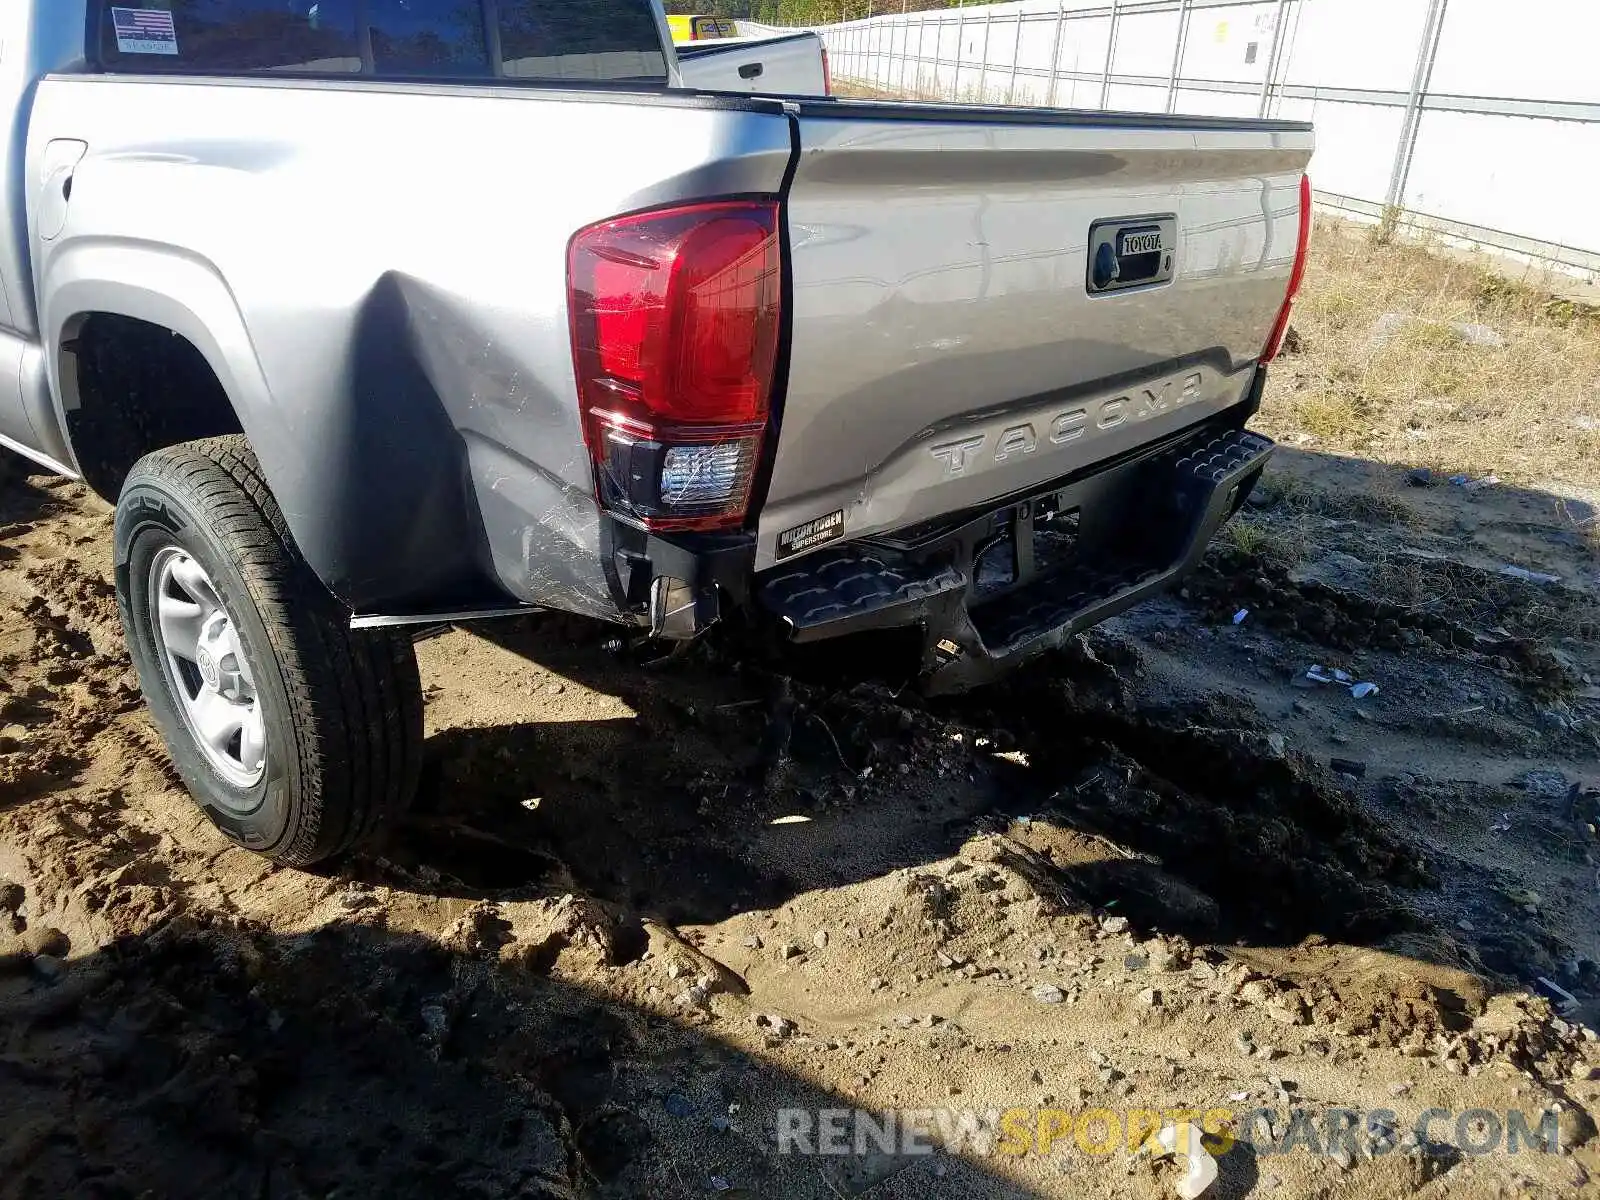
x=946, y=349
x=781, y=66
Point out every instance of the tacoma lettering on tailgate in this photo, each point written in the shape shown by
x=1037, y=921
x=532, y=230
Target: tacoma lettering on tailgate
x=978, y=450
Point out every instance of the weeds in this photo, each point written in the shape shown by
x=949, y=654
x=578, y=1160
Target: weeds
x=1472, y=596
x=1388, y=225
x=1387, y=369
x=1294, y=496
x=1498, y=296
x=1255, y=540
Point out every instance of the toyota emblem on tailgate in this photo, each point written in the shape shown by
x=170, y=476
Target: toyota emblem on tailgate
x=1130, y=252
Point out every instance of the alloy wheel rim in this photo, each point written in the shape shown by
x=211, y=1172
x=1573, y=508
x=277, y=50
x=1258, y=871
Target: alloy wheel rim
x=210, y=676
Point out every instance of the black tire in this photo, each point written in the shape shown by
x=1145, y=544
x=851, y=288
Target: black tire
x=341, y=709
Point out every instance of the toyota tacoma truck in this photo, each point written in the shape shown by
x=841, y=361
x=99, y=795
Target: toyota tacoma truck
x=370, y=315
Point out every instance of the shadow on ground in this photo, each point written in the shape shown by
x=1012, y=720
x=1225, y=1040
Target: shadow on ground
x=21, y=498
x=208, y=1060
x=673, y=812
x=742, y=779
x=213, y=1057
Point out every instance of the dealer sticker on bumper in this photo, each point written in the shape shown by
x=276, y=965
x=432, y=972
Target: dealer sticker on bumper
x=812, y=533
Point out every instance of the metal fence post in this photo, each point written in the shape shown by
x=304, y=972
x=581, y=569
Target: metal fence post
x=905, y=48
x=885, y=71
x=922, y=33
x=1272, y=58
x=1427, y=54
x=1016, y=59
x=889, y=58
x=961, y=38
x=1184, y=12
x=1055, y=54
x=937, y=86
x=1111, y=54
x=983, y=67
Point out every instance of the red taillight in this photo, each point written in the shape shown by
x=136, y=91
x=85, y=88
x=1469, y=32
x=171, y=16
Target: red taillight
x=827, y=74
x=1281, y=328
x=675, y=318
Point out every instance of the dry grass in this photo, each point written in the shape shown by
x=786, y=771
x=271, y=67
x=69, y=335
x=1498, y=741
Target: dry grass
x=1527, y=410
x=1290, y=514
x=1478, y=598
x=1261, y=542
x=1297, y=497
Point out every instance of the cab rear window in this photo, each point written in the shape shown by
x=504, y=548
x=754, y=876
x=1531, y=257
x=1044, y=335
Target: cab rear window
x=591, y=40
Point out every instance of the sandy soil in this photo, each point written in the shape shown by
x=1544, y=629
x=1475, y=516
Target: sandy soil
x=643, y=906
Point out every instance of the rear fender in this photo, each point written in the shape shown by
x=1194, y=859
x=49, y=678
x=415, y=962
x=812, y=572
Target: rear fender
x=374, y=491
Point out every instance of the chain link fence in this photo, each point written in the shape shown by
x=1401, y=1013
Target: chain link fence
x=1476, y=119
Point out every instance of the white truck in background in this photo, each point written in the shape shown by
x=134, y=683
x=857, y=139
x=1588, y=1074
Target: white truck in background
x=794, y=64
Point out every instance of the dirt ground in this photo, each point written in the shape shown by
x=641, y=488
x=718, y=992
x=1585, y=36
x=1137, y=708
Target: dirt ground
x=643, y=909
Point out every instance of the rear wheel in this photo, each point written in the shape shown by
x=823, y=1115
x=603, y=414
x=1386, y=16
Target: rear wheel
x=297, y=735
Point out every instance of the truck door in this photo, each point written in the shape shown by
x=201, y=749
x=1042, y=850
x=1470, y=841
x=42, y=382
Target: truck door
x=27, y=413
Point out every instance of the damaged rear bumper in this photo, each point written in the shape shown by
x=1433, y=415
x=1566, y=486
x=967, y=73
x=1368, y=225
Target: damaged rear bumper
x=993, y=590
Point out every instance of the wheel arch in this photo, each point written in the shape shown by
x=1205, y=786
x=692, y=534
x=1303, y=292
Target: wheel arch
x=368, y=471
x=168, y=289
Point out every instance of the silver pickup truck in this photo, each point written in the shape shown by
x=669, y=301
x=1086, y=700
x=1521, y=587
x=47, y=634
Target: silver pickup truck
x=369, y=314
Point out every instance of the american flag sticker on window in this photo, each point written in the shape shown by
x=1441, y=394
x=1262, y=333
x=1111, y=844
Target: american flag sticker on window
x=144, y=31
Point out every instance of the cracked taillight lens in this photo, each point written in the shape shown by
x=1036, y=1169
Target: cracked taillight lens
x=675, y=324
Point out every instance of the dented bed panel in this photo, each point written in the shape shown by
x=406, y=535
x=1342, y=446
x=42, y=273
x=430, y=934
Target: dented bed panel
x=397, y=254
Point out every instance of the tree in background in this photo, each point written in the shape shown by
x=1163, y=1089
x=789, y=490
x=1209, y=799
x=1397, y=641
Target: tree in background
x=801, y=12
x=734, y=9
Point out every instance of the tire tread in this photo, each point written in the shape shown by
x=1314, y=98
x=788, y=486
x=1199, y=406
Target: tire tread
x=355, y=697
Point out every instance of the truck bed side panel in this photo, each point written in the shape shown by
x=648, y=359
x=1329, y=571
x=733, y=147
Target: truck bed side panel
x=946, y=350
x=397, y=254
